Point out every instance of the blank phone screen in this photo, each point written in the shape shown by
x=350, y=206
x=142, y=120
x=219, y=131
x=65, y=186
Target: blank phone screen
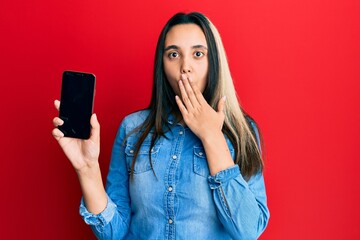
x=76, y=106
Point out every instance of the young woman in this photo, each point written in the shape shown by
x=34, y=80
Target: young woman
x=187, y=167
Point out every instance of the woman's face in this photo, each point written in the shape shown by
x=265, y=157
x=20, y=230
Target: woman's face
x=186, y=52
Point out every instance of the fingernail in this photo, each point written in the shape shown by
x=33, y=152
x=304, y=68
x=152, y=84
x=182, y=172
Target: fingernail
x=190, y=79
x=224, y=97
x=183, y=76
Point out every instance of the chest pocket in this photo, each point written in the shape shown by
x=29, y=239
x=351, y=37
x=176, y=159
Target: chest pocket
x=200, y=164
x=142, y=163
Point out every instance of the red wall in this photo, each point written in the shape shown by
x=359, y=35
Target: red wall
x=295, y=65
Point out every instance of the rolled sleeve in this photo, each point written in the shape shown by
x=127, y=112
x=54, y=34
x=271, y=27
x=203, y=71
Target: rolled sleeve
x=223, y=176
x=99, y=221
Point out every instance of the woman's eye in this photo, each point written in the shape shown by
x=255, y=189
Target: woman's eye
x=173, y=55
x=199, y=54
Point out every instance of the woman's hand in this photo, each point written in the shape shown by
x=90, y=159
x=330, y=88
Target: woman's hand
x=198, y=115
x=83, y=154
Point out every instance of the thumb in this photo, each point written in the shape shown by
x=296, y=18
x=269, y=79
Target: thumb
x=221, y=104
x=95, y=128
x=57, y=104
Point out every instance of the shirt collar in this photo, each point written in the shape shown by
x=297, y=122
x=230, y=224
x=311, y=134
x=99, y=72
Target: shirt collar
x=171, y=119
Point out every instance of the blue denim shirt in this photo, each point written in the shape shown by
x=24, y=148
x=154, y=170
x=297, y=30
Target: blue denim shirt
x=181, y=200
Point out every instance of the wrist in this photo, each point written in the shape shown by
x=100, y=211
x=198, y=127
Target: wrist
x=211, y=137
x=89, y=169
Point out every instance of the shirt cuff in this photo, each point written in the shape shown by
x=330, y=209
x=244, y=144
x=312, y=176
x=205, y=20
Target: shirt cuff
x=224, y=176
x=98, y=220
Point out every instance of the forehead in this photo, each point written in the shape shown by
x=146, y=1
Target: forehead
x=183, y=35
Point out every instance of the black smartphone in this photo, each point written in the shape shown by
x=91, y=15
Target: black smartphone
x=76, y=103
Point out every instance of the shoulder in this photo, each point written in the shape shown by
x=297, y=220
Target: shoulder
x=138, y=116
x=130, y=124
x=135, y=119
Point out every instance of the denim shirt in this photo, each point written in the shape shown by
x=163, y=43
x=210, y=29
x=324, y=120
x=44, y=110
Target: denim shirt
x=178, y=199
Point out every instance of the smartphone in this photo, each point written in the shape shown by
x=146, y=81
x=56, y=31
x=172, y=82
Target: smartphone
x=76, y=103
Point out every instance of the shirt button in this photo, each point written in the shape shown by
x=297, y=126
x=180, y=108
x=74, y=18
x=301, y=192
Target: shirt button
x=131, y=151
x=171, y=221
x=174, y=157
x=152, y=150
x=181, y=132
x=170, y=189
x=201, y=153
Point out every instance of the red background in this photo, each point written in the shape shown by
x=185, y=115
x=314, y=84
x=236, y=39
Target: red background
x=295, y=65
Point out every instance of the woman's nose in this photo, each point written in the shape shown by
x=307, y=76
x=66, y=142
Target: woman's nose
x=185, y=70
x=185, y=66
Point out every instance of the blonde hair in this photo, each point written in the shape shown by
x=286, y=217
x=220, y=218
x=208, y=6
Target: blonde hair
x=235, y=119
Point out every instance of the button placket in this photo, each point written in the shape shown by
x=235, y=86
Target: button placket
x=170, y=179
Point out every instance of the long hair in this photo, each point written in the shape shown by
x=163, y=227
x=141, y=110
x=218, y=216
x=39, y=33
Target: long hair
x=219, y=83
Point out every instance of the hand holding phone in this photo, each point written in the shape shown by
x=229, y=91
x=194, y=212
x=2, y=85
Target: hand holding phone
x=76, y=107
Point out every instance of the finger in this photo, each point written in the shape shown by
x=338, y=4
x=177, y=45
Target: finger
x=185, y=98
x=57, y=121
x=221, y=104
x=95, y=128
x=197, y=93
x=189, y=90
x=57, y=104
x=57, y=134
x=181, y=106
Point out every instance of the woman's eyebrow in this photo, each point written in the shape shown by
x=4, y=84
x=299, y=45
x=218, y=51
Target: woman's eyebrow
x=171, y=47
x=200, y=46
x=177, y=47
